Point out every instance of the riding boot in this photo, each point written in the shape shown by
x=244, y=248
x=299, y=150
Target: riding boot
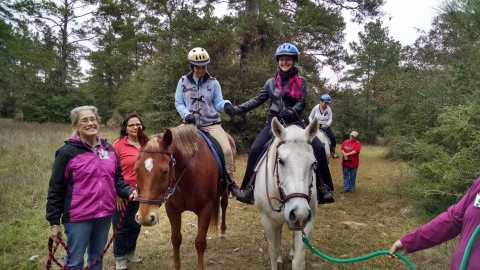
x=234, y=189
x=231, y=185
x=246, y=196
x=324, y=195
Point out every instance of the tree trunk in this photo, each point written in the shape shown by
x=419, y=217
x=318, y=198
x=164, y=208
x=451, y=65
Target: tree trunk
x=249, y=35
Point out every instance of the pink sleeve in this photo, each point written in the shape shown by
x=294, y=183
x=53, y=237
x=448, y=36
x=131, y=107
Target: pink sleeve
x=444, y=227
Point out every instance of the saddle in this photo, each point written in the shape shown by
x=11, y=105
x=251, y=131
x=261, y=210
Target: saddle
x=218, y=154
x=216, y=150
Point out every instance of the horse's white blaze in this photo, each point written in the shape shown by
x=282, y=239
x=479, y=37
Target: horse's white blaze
x=295, y=174
x=148, y=164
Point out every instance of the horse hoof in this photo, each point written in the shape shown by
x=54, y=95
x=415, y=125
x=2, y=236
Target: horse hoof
x=222, y=236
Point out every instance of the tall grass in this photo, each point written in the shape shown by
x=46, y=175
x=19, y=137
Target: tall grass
x=356, y=224
x=27, y=154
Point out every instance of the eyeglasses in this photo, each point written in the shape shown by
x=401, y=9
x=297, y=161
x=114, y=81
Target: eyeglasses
x=86, y=120
x=134, y=125
x=200, y=67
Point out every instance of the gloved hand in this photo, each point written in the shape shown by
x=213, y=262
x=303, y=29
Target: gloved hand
x=190, y=119
x=228, y=108
x=287, y=115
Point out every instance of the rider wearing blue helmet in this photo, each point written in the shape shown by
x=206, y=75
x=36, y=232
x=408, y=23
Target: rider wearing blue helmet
x=287, y=92
x=323, y=113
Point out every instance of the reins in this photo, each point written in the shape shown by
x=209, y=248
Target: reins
x=283, y=197
x=174, y=183
x=59, y=241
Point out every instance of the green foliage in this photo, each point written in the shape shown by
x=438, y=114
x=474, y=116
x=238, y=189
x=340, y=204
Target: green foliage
x=375, y=59
x=445, y=158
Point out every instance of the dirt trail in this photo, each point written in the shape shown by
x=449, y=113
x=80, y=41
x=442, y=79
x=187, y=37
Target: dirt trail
x=359, y=223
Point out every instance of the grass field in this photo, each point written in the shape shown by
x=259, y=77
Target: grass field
x=356, y=224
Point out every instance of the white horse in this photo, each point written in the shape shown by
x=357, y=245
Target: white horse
x=322, y=135
x=285, y=190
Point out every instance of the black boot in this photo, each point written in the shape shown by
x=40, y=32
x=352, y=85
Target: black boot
x=233, y=188
x=246, y=196
x=324, y=195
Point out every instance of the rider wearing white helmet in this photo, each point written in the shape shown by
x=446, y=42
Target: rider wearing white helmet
x=323, y=113
x=199, y=101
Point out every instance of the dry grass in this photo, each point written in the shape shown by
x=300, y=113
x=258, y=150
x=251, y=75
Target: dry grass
x=356, y=224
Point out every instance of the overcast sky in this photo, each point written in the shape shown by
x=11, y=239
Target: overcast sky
x=406, y=17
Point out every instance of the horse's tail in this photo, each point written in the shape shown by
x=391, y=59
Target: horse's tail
x=214, y=217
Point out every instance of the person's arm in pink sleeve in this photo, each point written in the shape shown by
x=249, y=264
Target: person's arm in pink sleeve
x=444, y=227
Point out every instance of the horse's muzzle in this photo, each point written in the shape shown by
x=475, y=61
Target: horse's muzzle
x=147, y=220
x=298, y=218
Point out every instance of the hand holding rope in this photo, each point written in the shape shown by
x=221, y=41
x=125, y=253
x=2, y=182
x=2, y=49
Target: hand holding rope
x=56, y=236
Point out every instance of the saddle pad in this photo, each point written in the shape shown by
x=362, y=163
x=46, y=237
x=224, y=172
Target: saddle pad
x=216, y=150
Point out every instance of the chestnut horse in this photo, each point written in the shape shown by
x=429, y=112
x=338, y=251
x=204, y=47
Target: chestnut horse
x=178, y=168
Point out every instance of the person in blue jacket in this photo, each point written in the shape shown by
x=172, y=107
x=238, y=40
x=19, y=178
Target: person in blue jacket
x=199, y=101
x=86, y=177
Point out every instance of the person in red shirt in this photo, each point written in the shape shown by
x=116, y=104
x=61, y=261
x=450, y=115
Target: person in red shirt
x=127, y=148
x=350, y=159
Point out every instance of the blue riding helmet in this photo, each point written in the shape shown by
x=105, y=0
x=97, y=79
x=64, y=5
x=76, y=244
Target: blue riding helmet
x=326, y=98
x=287, y=49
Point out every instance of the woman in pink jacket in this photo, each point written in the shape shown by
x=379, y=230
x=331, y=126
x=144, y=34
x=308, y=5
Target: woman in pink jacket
x=460, y=219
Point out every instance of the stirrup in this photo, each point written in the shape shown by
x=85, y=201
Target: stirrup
x=246, y=196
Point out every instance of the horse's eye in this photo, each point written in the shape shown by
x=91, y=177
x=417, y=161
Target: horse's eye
x=314, y=166
x=281, y=161
x=165, y=173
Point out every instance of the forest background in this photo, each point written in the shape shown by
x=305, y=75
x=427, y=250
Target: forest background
x=422, y=101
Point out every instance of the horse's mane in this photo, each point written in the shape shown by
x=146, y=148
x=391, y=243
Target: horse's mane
x=184, y=140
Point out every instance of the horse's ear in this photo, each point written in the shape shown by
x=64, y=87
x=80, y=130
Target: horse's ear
x=278, y=129
x=167, y=138
x=312, y=129
x=142, y=138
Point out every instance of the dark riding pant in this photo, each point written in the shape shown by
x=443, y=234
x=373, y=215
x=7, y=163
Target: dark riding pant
x=331, y=136
x=259, y=146
x=322, y=163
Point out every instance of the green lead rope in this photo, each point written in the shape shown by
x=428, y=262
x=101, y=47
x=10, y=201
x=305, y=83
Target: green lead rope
x=357, y=259
x=466, y=254
x=463, y=266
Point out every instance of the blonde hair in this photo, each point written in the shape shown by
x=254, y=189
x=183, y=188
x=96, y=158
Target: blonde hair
x=76, y=111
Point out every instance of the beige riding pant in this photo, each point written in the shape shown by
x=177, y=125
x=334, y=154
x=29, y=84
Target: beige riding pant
x=219, y=134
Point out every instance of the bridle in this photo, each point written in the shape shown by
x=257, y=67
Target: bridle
x=173, y=181
x=284, y=197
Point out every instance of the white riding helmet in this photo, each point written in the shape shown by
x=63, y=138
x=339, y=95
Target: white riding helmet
x=198, y=57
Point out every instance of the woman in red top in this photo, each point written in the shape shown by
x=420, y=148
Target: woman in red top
x=127, y=149
x=350, y=153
